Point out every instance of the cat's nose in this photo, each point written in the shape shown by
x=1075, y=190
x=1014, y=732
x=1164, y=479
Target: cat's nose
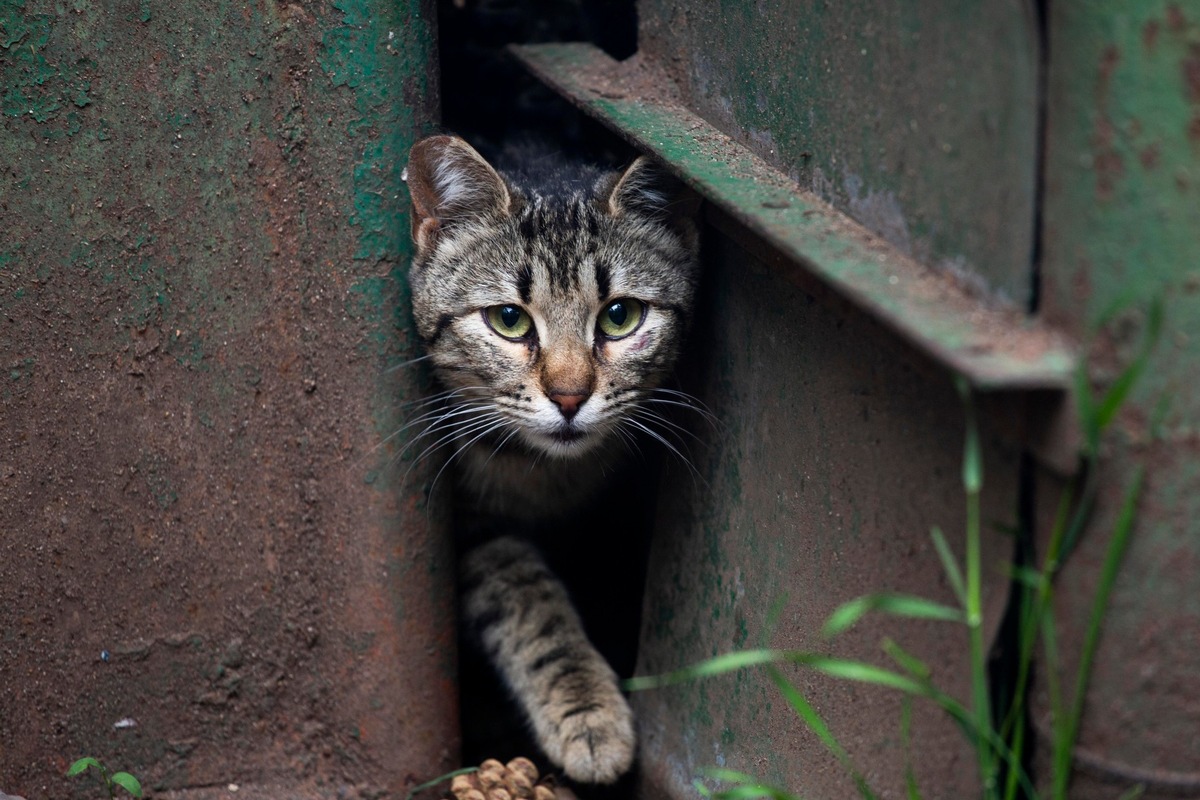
x=569, y=402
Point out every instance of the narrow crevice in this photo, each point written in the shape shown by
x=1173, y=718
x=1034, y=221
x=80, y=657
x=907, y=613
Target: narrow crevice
x=1006, y=655
x=1041, y=11
x=1004, y=659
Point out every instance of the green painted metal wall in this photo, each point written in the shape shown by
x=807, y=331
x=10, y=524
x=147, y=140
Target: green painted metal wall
x=1122, y=229
x=916, y=118
x=835, y=454
x=202, y=532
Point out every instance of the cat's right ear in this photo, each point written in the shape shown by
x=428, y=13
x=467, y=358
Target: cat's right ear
x=450, y=182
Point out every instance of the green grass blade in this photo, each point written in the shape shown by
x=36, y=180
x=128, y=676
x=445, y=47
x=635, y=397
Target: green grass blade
x=972, y=476
x=817, y=725
x=730, y=662
x=950, y=565
x=82, y=764
x=1051, y=669
x=128, y=783
x=979, y=737
x=1029, y=577
x=898, y=605
x=907, y=661
x=753, y=791
x=858, y=671
x=910, y=776
x=746, y=787
x=1134, y=793
x=1085, y=405
x=772, y=620
x=1113, y=558
x=972, y=466
x=727, y=775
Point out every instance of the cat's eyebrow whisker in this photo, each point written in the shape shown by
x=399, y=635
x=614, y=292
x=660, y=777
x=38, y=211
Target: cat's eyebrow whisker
x=404, y=364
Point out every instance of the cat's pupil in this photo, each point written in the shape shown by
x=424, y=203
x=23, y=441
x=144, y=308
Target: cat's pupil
x=510, y=316
x=617, y=313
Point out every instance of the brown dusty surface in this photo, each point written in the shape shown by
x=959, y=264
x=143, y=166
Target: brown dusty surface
x=210, y=570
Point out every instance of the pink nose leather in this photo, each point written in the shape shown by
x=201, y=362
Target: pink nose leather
x=569, y=402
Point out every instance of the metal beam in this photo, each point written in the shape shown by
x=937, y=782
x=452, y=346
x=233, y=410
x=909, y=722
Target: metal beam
x=995, y=347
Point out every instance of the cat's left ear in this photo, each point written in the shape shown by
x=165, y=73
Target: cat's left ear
x=647, y=189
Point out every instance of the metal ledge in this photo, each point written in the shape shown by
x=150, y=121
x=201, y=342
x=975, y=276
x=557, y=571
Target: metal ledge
x=994, y=348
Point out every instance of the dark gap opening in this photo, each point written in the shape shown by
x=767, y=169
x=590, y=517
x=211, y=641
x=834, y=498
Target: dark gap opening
x=493, y=102
x=1005, y=656
x=1041, y=20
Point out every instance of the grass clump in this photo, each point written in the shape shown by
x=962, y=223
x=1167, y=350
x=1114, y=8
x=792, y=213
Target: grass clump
x=997, y=735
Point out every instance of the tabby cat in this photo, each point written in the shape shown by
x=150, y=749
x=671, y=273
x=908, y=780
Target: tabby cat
x=551, y=302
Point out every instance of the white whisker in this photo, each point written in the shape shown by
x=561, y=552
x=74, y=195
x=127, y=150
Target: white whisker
x=669, y=446
x=404, y=364
x=463, y=448
x=647, y=414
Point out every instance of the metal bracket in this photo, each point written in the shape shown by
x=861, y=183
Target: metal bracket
x=996, y=348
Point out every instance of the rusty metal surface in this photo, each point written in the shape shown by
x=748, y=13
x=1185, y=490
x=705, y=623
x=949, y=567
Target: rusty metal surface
x=1122, y=216
x=916, y=118
x=202, y=245
x=832, y=459
x=995, y=347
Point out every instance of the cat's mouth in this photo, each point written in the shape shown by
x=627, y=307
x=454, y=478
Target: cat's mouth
x=567, y=435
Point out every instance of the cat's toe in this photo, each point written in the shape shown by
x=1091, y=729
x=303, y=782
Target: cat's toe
x=598, y=745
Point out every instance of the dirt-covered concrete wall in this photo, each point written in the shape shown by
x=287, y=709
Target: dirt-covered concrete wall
x=214, y=566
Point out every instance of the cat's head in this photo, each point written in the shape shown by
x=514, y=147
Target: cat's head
x=551, y=314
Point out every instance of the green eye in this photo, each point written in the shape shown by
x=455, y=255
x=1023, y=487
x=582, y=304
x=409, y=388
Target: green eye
x=621, y=317
x=511, y=322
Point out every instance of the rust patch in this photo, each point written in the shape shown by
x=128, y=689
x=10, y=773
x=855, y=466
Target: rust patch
x=1175, y=19
x=1191, y=73
x=1151, y=155
x=1150, y=34
x=1108, y=65
x=1107, y=162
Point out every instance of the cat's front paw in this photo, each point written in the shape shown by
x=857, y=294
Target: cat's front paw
x=595, y=743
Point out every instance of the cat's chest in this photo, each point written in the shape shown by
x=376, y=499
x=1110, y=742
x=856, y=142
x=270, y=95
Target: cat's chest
x=521, y=485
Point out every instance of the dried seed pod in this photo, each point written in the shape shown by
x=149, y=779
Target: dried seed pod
x=516, y=780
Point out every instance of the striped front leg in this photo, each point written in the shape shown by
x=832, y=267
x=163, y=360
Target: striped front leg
x=524, y=621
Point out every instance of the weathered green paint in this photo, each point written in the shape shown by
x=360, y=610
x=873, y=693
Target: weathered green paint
x=831, y=461
x=993, y=347
x=1122, y=228
x=915, y=117
x=203, y=237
